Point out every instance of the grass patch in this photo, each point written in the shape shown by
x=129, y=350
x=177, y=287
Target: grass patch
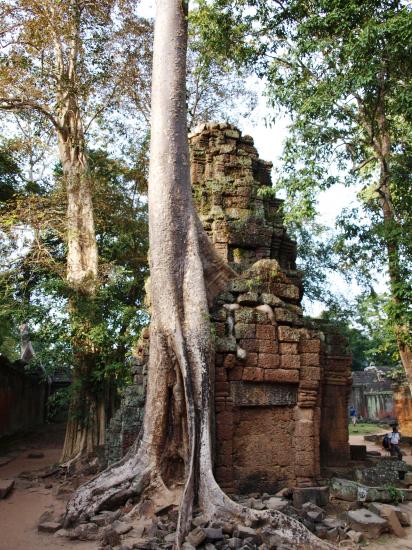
x=363, y=428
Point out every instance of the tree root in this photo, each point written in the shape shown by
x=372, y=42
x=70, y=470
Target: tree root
x=111, y=488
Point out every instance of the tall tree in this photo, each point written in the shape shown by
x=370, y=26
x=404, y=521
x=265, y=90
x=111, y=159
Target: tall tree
x=172, y=460
x=59, y=59
x=343, y=71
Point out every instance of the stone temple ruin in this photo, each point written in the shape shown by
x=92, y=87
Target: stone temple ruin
x=282, y=381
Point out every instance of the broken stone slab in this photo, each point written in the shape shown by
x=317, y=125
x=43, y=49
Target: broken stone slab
x=234, y=543
x=214, y=533
x=256, y=503
x=49, y=527
x=317, y=495
x=121, y=527
x=171, y=537
x=6, y=485
x=62, y=533
x=196, y=537
x=393, y=521
x=377, y=508
x=243, y=532
x=313, y=512
x=355, y=536
x=85, y=531
x=109, y=537
x=365, y=521
x=387, y=470
x=276, y=503
x=345, y=489
x=200, y=521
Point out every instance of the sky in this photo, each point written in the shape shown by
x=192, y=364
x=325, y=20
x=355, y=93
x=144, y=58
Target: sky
x=269, y=142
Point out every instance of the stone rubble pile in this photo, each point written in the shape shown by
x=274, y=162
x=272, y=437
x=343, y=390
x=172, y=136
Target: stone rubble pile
x=128, y=528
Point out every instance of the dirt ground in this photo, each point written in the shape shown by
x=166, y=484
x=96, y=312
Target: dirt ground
x=20, y=511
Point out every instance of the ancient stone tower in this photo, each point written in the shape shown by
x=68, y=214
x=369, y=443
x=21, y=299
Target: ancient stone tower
x=281, y=381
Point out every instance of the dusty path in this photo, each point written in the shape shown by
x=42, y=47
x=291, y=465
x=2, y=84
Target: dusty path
x=20, y=511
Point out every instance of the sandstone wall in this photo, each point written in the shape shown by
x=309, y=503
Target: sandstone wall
x=403, y=409
x=22, y=398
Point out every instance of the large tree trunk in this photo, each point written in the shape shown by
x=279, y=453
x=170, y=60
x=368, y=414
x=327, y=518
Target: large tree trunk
x=172, y=460
x=86, y=422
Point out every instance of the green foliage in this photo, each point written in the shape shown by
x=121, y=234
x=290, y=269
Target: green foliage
x=33, y=286
x=396, y=495
x=58, y=404
x=342, y=70
x=366, y=324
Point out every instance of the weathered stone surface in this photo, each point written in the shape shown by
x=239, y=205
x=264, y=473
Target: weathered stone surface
x=351, y=491
x=392, y=518
x=273, y=369
x=365, y=521
x=243, y=532
x=276, y=503
x=109, y=537
x=214, y=533
x=121, y=527
x=260, y=395
x=387, y=471
x=49, y=527
x=358, y=452
x=313, y=512
x=6, y=485
x=85, y=531
x=315, y=495
x=196, y=537
x=355, y=536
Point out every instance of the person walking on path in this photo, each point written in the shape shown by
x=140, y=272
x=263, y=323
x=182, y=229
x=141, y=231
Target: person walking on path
x=353, y=414
x=395, y=440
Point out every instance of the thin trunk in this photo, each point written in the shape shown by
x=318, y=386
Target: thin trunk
x=174, y=449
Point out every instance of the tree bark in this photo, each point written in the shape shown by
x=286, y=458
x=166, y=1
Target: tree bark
x=382, y=146
x=395, y=279
x=86, y=421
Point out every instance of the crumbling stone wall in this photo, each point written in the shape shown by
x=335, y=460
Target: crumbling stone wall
x=281, y=384
x=22, y=397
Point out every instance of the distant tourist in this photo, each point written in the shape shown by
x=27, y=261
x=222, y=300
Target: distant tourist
x=395, y=440
x=353, y=414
